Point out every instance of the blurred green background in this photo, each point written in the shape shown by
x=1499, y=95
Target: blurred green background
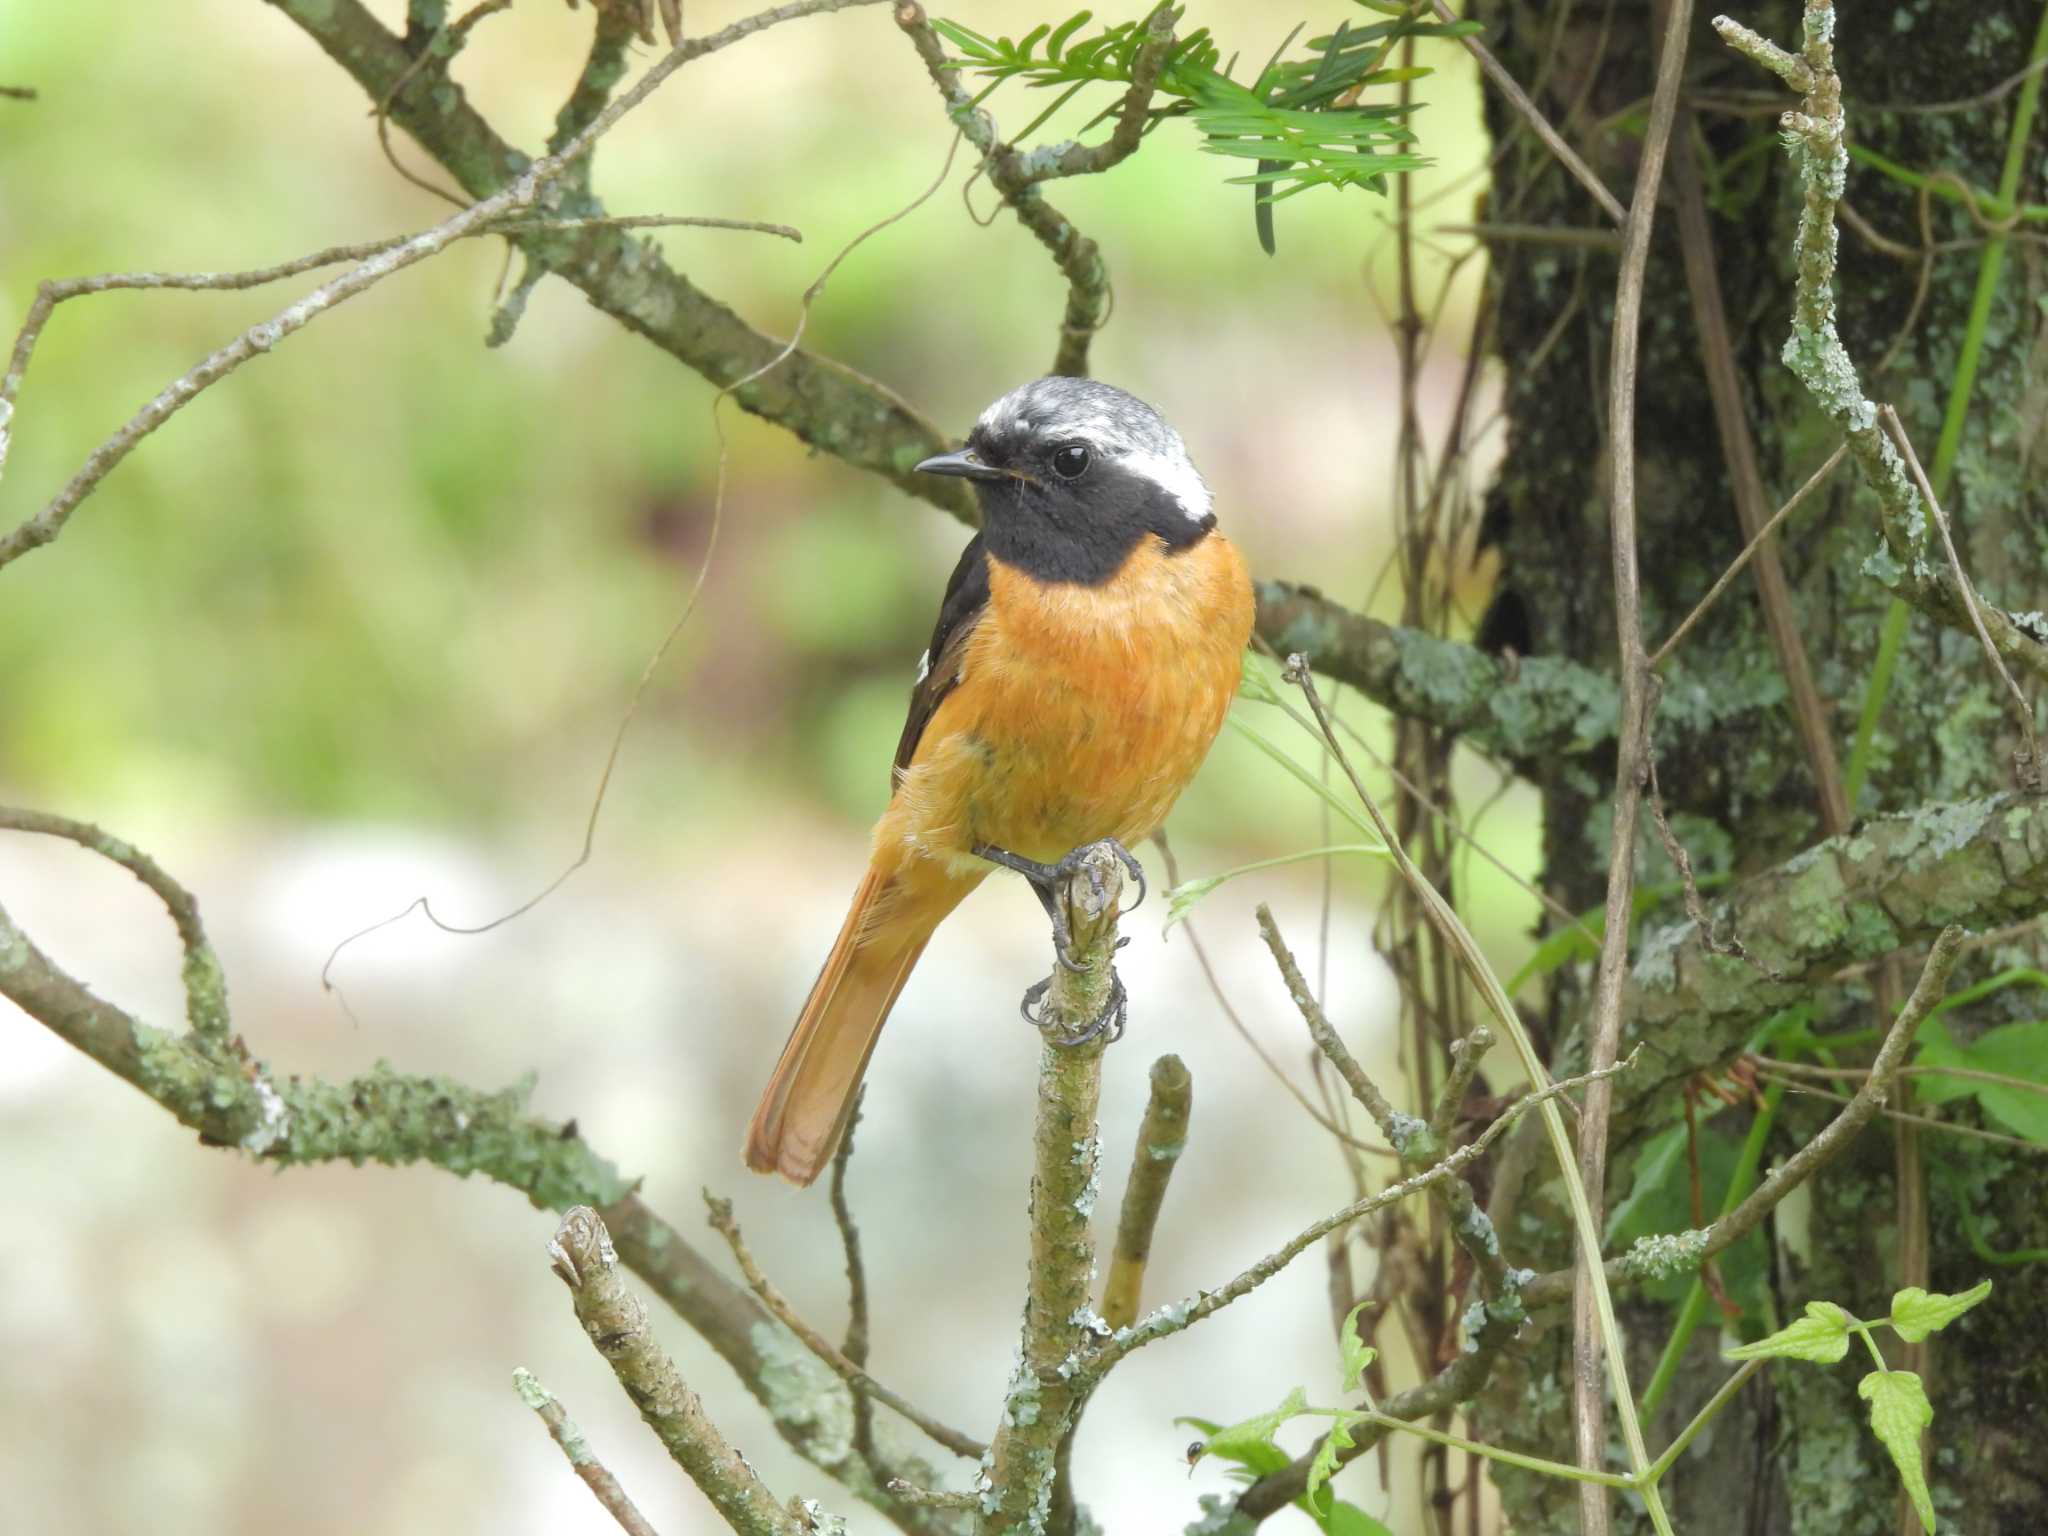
x=360, y=624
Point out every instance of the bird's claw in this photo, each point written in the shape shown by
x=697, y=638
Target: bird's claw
x=1115, y=1013
x=1078, y=860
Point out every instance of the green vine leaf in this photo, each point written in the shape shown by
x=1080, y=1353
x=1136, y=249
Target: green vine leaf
x=1917, y=1313
x=1358, y=1355
x=1324, y=1465
x=1899, y=1411
x=1821, y=1336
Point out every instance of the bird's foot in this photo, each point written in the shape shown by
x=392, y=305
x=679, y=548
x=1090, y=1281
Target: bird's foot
x=1045, y=881
x=1115, y=1012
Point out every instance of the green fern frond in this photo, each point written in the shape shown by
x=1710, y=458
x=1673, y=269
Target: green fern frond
x=1287, y=119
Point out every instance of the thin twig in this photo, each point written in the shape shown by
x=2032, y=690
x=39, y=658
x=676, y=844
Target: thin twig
x=1164, y=1322
x=262, y=337
x=1603, y=1028
x=1465, y=1058
x=2027, y=760
x=855, y=1345
x=1817, y=138
x=644, y=221
x=1813, y=483
x=1400, y=1130
x=1237, y=1023
x=1162, y=1137
x=582, y=1458
x=1905, y=1119
x=1517, y=98
x=616, y=1322
x=440, y=48
x=1079, y=258
x=853, y=1375
x=206, y=988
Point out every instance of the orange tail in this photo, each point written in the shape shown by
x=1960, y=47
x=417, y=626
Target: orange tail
x=804, y=1110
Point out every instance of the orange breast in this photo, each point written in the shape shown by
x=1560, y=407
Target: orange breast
x=1082, y=712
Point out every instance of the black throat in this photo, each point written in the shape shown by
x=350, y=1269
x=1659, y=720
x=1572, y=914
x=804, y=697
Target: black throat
x=1084, y=535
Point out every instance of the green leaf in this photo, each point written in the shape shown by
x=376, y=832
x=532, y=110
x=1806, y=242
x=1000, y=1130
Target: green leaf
x=1065, y=30
x=1822, y=1335
x=1250, y=1441
x=1324, y=1466
x=1358, y=1354
x=2017, y=1051
x=1917, y=1313
x=1899, y=1411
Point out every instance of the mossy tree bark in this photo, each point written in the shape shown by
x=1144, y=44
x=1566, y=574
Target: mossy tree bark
x=1795, y=1450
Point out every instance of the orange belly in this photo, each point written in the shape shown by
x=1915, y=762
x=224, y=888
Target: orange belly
x=1082, y=712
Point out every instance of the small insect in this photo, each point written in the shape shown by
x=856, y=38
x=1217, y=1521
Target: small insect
x=1195, y=1450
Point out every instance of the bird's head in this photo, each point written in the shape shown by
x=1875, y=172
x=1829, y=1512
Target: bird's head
x=1072, y=475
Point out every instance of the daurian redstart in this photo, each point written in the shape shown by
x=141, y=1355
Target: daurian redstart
x=1087, y=649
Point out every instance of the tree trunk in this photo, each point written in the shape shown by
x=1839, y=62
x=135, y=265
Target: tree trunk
x=1795, y=1454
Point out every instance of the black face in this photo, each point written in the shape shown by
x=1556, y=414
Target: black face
x=1073, y=476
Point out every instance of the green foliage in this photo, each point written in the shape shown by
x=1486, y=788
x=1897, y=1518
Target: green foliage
x=1300, y=119
x=1917, y=1313
x=2015, y=1052
x=1899, y=1409
x=1821, y=1336
x=1254, y=1452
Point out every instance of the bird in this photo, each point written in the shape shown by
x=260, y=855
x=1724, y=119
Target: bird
x=1087, y=649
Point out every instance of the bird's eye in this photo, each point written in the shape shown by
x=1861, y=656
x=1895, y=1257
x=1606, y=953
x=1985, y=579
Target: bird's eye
x=1070, y=462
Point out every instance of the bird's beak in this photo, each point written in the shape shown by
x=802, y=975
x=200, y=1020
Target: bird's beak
x=963, y=464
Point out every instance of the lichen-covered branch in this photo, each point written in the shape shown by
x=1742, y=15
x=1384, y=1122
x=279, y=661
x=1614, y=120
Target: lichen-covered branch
x=211, y=1084
x=1162, y=1137
x=1892, y=883
x=206, y=988
x=616, y=1322
x=1537, y=707
x=1909, y=560
x=1066, y=1176
x=1016, y=174
x=827, y=405
x=595, y=1474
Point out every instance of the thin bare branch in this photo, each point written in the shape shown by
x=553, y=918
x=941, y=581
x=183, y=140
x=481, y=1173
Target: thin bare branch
x=853, y=1375
x=1603, y=1029
x=1531, y=114
x=581, y=1457
x=616, y=1322
x=1813, y=483
x=2027, y=760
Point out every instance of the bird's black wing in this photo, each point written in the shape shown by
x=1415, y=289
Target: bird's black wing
x=966, y=600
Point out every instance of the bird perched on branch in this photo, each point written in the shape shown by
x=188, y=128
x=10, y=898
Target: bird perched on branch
x=1087, y=649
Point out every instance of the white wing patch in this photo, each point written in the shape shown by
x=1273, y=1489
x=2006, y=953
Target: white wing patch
x=924, y=666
